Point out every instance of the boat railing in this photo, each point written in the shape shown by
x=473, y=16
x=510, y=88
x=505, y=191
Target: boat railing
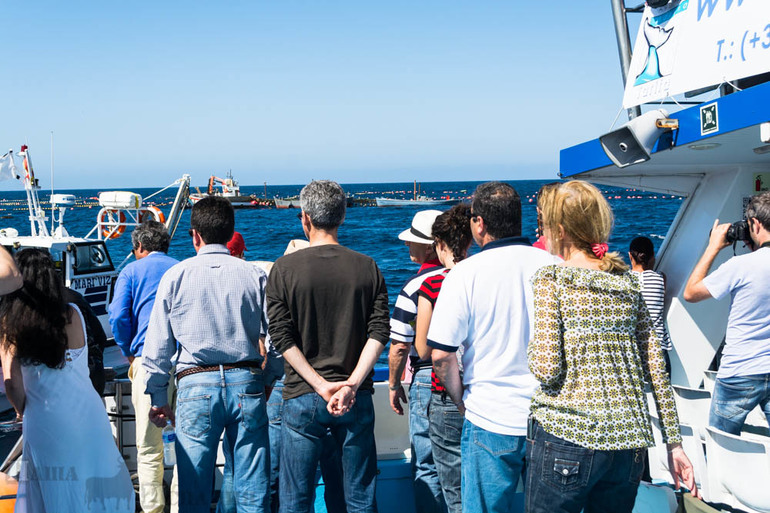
x=123, y=209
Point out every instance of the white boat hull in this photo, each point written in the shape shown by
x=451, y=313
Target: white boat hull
x=391, y=202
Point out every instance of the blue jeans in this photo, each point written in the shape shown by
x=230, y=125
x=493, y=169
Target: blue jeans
x=209, y=403
x=226, y=503
x=735, y=397
x=446, y=428
x=565, y=477
x=331, y=463
x=428, y=496
x=306, y=425
x=274, y=411
x=492, y=465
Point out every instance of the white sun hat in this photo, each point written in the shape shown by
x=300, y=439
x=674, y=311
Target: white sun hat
x=421, y=230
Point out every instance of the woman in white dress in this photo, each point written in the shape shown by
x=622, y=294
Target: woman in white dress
x=70, y=462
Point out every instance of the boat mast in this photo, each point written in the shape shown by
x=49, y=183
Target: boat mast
x=37, y=217
x=620, y=17
x=414, y=194
x=180, y=201
x=53, y=212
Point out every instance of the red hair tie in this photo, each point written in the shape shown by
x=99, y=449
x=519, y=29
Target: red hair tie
x=600, y=249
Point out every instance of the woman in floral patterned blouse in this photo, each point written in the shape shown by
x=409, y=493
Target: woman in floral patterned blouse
x=592, y=351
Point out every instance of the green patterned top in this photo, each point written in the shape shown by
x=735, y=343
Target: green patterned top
x=594, y=347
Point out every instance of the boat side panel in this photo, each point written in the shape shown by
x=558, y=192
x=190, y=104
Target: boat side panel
x=736, y=111
x=697, y=329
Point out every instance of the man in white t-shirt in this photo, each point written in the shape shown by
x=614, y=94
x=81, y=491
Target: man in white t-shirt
x=743, y=379
x=486, y=306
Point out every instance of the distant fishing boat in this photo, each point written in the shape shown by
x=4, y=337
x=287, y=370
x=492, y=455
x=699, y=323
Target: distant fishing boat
x=292, y=202
x=418, y=200
x=227, y=188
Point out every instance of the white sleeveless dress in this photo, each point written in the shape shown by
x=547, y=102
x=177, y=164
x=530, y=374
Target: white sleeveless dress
x=70, y=462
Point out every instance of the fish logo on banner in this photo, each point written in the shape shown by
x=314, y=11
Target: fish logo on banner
x=656, y=37
x=694, y=45
x=655, y=53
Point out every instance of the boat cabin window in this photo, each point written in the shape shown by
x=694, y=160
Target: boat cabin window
x=58, y=258
x=56, y=254
x=91, y=258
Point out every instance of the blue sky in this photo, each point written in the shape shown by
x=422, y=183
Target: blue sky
x=137, y=93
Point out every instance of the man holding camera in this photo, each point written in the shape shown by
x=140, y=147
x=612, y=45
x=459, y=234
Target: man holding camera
x=743, y=379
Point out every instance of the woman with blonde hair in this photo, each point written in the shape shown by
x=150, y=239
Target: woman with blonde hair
x=592, y=351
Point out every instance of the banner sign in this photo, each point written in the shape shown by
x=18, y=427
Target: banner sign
x=693, y=44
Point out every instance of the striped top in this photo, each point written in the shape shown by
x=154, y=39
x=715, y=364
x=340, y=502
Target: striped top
x=404, y=317
x=430, y=289
x=654, y=293
x=432, y=286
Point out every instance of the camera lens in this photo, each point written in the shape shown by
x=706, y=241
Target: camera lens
x=738, y=231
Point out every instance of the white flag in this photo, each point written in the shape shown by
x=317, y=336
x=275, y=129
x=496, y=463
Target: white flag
x=8, y=167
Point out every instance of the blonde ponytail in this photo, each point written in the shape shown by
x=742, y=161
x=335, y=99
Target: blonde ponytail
x=580, y=209
x=613, y=263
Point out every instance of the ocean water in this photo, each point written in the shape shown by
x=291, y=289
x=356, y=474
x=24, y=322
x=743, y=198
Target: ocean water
x=369, y=230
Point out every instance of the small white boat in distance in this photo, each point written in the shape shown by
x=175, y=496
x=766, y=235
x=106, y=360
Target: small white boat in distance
x=418, y=200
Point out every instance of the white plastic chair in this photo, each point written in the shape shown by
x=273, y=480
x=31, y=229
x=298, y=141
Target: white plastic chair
x=739, y=470
x=693, y=405
x=390, y=430
x=658, y=456
x=696, y=451
x=693, y=447
x=709, y=377
x=756, y=418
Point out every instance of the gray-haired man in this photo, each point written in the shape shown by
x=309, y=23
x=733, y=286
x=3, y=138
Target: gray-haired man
x=129, y=316
x=328, y=311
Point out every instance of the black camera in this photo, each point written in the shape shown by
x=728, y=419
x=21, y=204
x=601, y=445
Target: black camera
x=738, y=231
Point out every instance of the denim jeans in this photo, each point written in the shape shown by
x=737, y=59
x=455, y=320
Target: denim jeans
x=428, y=496
x=565, y=477
x=492, y=465
x=209, y=403
x=306, y=424
x=274, y=412
x=446, y=428
x=735, y=397
x=331, y=463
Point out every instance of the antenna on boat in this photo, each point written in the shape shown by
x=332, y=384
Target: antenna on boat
x=51, y=198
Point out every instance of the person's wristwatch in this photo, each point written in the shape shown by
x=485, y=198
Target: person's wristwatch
x=394, y=388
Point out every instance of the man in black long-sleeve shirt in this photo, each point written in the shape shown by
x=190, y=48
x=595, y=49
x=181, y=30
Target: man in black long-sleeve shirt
x=328, y=314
